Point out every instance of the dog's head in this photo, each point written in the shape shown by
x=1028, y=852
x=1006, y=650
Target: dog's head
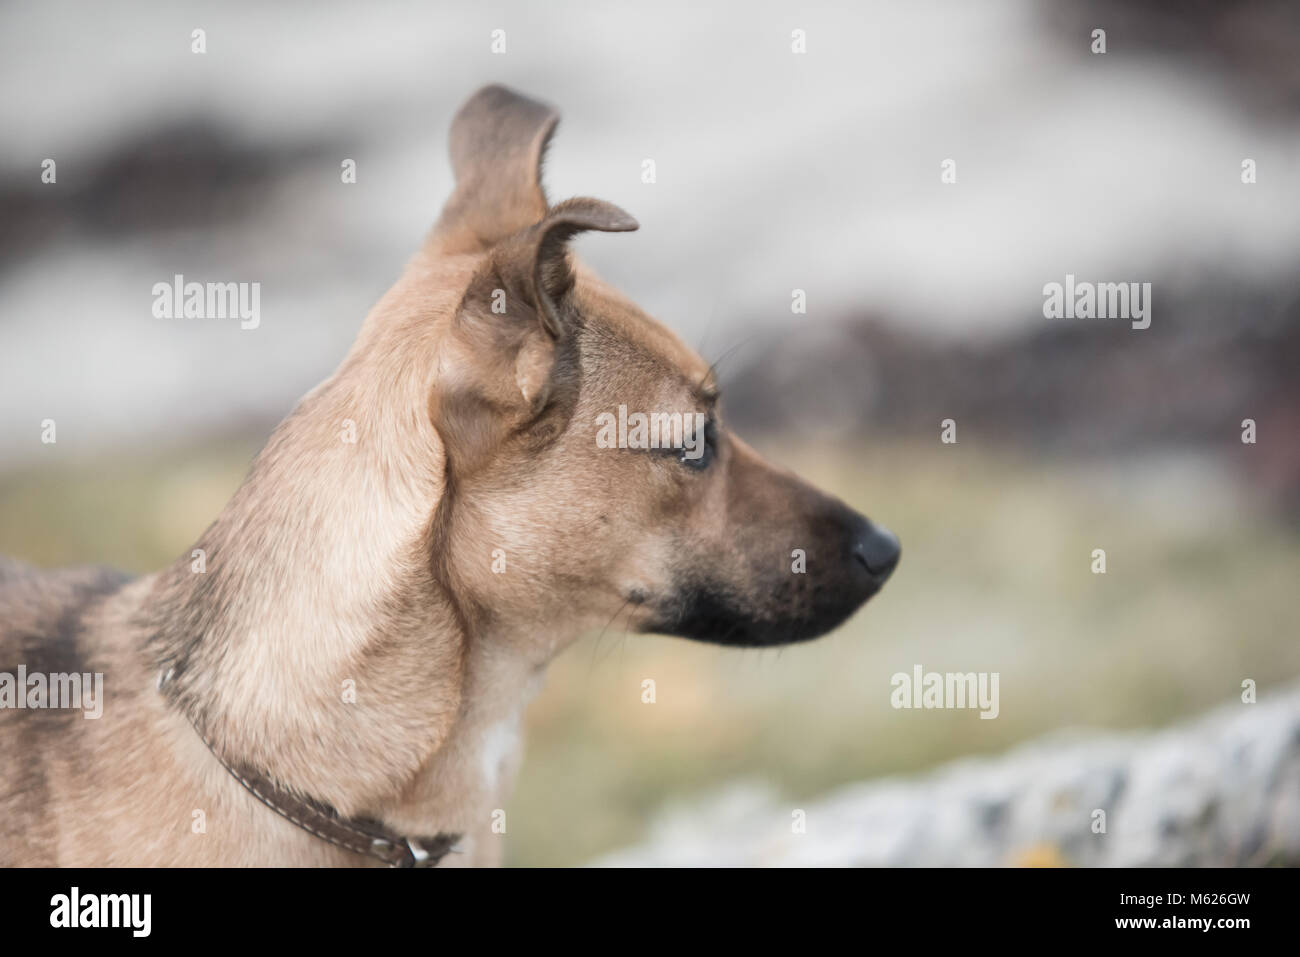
x=589, y=469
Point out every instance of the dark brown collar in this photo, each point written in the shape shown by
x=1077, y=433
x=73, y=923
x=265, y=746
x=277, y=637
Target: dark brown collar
x=359, y=835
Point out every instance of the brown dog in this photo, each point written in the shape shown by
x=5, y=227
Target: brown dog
x=353, y=640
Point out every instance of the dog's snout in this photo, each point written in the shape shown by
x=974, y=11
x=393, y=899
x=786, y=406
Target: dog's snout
x=877, y=548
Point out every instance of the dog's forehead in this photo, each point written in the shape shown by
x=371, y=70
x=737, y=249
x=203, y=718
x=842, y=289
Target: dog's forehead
x=626, y=340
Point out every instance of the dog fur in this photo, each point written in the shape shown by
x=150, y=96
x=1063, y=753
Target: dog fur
x=371, y=562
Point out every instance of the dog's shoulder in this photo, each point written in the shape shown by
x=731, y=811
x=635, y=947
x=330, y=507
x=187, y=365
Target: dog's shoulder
x=43, y=631
x=41, y=612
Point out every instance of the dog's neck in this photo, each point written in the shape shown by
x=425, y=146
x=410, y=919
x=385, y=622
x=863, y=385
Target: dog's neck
x=313, y=639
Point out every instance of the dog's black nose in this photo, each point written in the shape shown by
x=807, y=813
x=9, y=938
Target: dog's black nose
x=877, y=548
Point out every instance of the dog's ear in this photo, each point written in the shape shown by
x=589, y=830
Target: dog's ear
x=533, y=266
x=498, y=140
x=552, y=272
x=511, y=347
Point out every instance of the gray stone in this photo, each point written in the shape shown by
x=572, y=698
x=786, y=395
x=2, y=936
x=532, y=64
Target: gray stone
x=1221, y=790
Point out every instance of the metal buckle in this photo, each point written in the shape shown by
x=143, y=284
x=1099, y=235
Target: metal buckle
x=385, y=849
x=421, y=856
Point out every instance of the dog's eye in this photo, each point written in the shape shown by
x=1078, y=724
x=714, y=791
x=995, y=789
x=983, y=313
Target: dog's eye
x=704, y=455
x=700, y=462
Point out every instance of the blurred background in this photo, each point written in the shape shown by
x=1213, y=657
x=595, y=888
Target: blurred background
x=775, y=171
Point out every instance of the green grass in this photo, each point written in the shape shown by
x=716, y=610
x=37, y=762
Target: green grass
x=1199, y=594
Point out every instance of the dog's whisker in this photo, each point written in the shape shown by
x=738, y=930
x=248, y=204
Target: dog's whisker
x=596, y=645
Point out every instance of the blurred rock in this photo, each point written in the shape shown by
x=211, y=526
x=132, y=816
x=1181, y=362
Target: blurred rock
x=1223, y=790
x=1252, y=41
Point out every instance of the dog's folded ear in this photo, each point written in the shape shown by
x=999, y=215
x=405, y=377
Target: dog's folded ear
x=552, y=272
x=526, y=279
x=510, y=351
x=498, y=140
x=532, y=268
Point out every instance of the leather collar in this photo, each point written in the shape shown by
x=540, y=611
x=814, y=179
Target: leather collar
x=359, y=835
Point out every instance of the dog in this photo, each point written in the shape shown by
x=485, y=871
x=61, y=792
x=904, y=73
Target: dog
x=335, y=674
